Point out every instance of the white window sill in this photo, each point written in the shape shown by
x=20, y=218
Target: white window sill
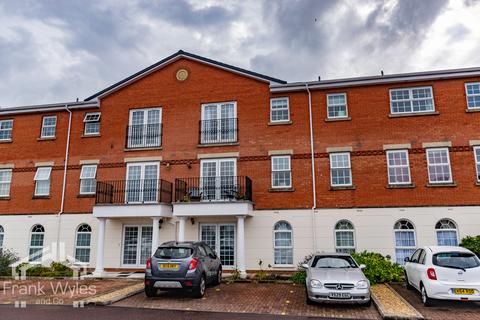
x=413, y=114
x=470, y=110
x=346, y=187
x=46, y=138
x=283, y=266
x=279, y=123
x=338, y=119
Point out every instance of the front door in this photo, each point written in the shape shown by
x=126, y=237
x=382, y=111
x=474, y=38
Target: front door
x=218, y=179
x=142, y=182
x=137, y=245
x=221, y=238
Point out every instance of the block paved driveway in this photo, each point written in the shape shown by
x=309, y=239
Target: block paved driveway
x=260, y=298
x=441, y=309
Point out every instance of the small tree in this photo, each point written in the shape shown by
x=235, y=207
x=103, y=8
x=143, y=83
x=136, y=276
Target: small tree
x=7, y=258
x=472, y=243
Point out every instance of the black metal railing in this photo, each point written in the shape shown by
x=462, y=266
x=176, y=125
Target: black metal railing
x=133, y=191
x=144, y=136
x=218, y=131
x=227, y=188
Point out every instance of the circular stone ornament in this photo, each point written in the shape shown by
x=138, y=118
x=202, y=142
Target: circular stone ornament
x=182, y=75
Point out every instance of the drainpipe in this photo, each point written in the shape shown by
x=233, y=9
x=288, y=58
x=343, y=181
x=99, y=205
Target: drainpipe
x=64, y=185
x=314, y=184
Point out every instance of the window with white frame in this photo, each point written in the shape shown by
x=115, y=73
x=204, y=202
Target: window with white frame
x=476, y=152
x=92, y=123
x=446, y=231
x=6, y=127
x=145, y=128
x=340, y=169
x=473, y=95
x=398, y=167
x=439, y=170
x=405, y=242
x=283, y=243
x=5, y=182
x=281, y=172
x=344, y=237
x=279, y=110
x=2, y=236
x=411, y=100
x=337, y=106
x=49, y=124
x=37, y=237
x=219, y=123
x=82, y=243
x=88, y=180
x=42, y=181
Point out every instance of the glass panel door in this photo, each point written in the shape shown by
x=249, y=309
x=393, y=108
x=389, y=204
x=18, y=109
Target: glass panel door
x=130, y=243
x=208, y=179
x=227, y=179
x=221, y=238
x=210, y=124
x=227, y=125
x=134, y=176
x=142, y=183
x=152, y=127
x=218, y=179
x=137, y=118
x=137, y=245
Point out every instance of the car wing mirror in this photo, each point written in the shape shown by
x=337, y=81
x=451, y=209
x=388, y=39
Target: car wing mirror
x=407, y=259
x=305, y=266
x=212, y=255
x=362, y=266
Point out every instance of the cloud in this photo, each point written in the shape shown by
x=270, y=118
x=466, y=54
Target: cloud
x=54, y=51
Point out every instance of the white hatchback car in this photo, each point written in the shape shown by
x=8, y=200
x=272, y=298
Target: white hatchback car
x=446, y=273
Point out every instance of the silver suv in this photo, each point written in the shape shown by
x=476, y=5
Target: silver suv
x=182, y=265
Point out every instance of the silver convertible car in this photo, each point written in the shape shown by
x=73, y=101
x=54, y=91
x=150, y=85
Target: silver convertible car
x=336, y=277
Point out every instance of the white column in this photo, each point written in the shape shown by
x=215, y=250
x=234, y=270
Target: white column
x=100, y=247
x=241, y=246
x=155, y=231
x=181, y=228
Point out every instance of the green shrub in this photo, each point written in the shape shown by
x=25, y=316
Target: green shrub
x=300, y=275
x=378, y=268
x=7, y=257
x=56, y=269
x=472, y=243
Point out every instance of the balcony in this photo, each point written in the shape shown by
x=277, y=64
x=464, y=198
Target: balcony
x=227, y=188
x=133, y=198
x=213, y=196
x=144, y=136
x=218, y=131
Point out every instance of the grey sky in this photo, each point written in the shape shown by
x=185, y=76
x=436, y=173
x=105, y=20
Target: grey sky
x=58, y=50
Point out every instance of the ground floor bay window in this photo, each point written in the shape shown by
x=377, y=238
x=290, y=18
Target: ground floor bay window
x=136, y=245
x=221, y=238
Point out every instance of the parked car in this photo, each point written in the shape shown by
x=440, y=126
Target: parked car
x=336, y=277
x=447, y=273
x=182, y=265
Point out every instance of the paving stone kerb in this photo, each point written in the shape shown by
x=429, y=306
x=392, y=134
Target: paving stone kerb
x=116, y=295
x=391, y=305
x=259, y=298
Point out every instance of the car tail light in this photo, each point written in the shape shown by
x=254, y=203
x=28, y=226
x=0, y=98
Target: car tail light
x=432, y=275
x=193, y=265
x=148, y=266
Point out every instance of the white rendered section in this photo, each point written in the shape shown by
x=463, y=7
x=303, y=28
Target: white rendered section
x=241, y=246
x=132, y=211
x=102, y=222
x=155, y=231
x=212, y=208
x=181, y=228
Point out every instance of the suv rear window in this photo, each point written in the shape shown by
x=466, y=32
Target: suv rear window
x=173, y=253
x=459, y=260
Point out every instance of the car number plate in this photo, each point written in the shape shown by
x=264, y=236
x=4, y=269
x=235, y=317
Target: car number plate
x=463, y=291
x=169, y=266
x=339, y=295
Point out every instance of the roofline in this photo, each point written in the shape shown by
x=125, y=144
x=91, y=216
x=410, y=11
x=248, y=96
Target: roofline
x=174, y=57
x=373, y=80
x=49, y=107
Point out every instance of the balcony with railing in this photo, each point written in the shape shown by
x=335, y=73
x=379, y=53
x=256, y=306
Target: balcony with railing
x=213, y=196
x=218, y=131
x=225, y=188
x=144, y=136
x=146, y=191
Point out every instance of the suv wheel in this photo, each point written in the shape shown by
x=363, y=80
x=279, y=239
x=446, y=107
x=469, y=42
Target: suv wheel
x=150, y=292
x=199, y=291
x=218, y=277
x=427, y=302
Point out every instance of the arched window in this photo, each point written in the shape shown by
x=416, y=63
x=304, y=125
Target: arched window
x=36, y=243
x=344, y=237
x=446, y=231
x=82, y=243
x=282, y=243
x=2, y=234
x=405, y=242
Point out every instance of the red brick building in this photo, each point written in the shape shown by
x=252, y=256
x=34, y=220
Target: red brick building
x=192, y=148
